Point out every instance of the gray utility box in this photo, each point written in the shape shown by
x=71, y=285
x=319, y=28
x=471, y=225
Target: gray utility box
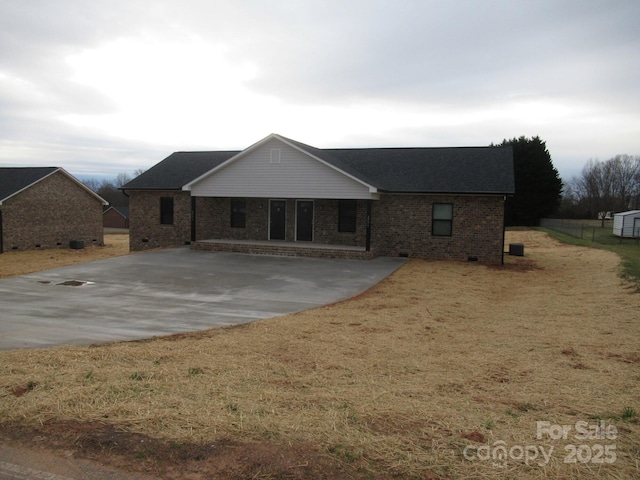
x=76, y=244
x=516, y=249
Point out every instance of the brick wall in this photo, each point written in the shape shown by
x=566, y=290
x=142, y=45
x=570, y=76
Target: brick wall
x=214, y=221
x=326, y=224
x=402, y=225
x=114, y=219
x=145, y=229
x=49, y=214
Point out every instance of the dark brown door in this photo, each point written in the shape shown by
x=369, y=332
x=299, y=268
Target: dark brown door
x=304, y=220
x=277, y=220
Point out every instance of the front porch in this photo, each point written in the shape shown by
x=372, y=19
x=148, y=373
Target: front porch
x=284, y=248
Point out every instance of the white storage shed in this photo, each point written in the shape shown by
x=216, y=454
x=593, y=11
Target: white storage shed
x=627, y=224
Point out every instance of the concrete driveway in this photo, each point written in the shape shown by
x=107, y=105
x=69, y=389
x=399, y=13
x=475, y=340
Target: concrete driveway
x=169, y=291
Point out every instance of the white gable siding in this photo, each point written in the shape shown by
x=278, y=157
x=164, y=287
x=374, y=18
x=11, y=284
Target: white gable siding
x=290, y=173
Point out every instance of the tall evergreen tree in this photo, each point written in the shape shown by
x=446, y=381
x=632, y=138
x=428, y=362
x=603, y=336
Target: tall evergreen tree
x=538, y=184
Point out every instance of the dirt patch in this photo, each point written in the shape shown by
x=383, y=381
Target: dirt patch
x=397, y=381
x=475, y=436
x=166, y=459
x=20, y=390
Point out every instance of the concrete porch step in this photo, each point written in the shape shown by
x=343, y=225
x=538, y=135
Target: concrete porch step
x=290, y=249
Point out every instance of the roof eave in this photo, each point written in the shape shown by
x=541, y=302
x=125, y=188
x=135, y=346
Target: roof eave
x=175, y=189
x=79, y=183
x=28, y=186
x=189, y=185
x=371, y=188
x=68, y=175
x=445, y=192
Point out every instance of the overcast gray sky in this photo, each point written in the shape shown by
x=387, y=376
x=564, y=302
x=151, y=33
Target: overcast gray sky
x=101, y=87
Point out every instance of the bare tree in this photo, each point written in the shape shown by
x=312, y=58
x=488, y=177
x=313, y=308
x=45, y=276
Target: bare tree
x=121, y=179
x=109, y=189
x=609, y=186
x=626, y=171
x=92, y=183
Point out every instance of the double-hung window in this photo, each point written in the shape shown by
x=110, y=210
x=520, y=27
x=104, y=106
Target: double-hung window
x=166, y=210
x=238, y=213
x=347, y=210
x=442, y=219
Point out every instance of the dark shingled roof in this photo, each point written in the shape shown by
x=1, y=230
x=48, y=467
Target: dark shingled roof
x=421, y=170
x=124, y=211
x=433, y=170
x=401, y=170
x=177, y=170
x=14, y=179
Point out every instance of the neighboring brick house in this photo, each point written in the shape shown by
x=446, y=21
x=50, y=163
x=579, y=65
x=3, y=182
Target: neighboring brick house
x=283, y=197
x=46, y=207
x=115, y=217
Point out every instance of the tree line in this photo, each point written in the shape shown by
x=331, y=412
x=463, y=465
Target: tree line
x=602, y=188
x=606, y=186
x=538, y=186
x=108, y=189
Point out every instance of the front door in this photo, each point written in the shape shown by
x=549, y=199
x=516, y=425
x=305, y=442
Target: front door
x=304, y=220
x=277, y=219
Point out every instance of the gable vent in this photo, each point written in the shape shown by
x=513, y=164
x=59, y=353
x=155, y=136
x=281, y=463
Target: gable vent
x=275, y=155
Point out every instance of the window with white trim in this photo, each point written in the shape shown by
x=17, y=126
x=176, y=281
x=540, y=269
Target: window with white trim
x=442, y=220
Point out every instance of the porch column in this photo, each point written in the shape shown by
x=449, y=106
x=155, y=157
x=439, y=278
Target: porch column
x=193, y=219
x=368, y=227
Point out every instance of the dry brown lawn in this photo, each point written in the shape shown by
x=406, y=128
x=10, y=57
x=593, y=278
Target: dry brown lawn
x=418, y=377
x=21, y=262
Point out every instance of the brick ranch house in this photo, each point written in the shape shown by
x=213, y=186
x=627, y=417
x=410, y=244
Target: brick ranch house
x=46, y=207
x=282, y=197
x=115, y=217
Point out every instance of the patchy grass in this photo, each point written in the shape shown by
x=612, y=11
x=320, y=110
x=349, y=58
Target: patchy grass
x=602, y=238
x=22, y=262
x=439, y=359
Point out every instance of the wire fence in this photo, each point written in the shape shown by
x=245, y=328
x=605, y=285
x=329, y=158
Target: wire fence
x=589, y=230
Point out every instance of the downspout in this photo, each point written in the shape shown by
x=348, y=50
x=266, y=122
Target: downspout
x=368, y=227
x=504, y=225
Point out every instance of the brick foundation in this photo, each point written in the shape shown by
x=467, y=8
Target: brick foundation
x=285, y=250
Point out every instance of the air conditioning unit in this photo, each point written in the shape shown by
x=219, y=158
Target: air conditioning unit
x=516, y=249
